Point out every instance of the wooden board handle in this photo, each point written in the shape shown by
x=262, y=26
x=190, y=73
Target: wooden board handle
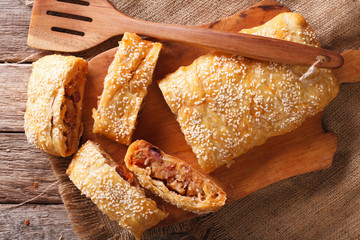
x=350, y=71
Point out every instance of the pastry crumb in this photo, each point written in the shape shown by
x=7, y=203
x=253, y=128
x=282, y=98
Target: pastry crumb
x=35, y=185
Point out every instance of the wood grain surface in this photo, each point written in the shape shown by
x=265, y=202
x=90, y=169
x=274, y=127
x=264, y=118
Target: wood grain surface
x=349, y=72
x=44, y=222
x=14, y=25
x=24, y=171
x=13, y=87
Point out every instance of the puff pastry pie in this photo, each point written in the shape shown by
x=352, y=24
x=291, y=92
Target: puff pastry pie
x=113, y=189
x=173, y=179
x=54, y=105
x=125, y=86
x=227, y=104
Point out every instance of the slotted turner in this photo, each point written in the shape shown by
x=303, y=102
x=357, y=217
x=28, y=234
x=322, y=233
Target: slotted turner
x=76, y=25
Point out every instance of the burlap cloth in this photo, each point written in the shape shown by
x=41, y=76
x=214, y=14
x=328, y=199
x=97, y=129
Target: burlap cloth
x=319, y=205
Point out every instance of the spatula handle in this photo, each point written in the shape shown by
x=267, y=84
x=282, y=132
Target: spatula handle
x=252, y=46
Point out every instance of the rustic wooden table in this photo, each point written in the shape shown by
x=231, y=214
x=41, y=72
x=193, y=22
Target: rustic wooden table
x=24, y=171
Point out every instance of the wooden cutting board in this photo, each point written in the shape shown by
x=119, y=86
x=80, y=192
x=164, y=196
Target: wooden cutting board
x=307, y=149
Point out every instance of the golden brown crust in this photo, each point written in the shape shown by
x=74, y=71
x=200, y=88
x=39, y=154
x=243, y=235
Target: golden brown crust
x=96, y=175
x=125, y=87
x=54, y=106
x=228, y=104
x=173, y=180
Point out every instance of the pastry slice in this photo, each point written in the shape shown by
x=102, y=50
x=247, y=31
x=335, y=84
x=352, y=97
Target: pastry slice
x=227, y=104
x=172, y=179
x=113, y=189
x=54, y=106
x=125, y=87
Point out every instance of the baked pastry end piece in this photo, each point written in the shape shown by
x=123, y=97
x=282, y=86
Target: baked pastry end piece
x=172, y=179
x=227, y=104
x=54, y=106
x=113, y=189
x=125, y=87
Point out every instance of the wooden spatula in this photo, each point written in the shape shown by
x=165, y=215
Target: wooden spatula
x=76, y=25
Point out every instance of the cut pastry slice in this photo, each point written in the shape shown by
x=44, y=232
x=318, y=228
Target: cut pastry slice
x=125, y=87
x=113, y=189
x=54, y=106
x=172, y=179
x=227, y=104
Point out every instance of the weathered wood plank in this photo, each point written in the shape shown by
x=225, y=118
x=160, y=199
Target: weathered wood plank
x=13, y=88
x=45, y=222
x=14, y=25
x=21, y=165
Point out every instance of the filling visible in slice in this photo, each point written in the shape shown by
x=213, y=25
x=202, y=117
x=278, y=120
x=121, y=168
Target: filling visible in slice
x=72, y=106
x=177, y=176
x=125, y=174
x=120, y=169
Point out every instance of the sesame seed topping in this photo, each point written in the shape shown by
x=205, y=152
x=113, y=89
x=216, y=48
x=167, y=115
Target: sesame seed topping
x=46, y=105
x=125, y=86
x=227, y=104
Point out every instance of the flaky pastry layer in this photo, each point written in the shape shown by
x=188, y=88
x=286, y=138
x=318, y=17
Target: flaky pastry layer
x=54, y=106
x=227, y=104
x=125, y=87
